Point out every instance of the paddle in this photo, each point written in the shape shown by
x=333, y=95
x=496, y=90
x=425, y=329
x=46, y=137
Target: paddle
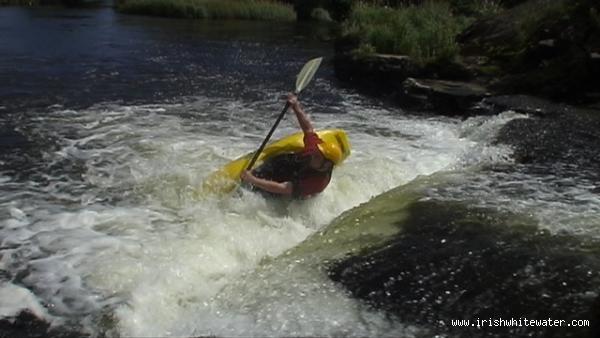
x=302, y=80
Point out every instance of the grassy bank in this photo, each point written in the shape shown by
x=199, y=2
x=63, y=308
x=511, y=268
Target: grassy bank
x=425, y=32
x=19, y=2
x=211, y=9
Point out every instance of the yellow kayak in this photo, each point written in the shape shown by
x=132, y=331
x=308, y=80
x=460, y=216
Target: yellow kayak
x=226, y=179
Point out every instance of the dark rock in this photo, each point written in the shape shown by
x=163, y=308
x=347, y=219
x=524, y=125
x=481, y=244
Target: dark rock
x=564, y=78
x=511, y=3
x=540, y=49
x=393, y=76
x=378, y=72
x=568, y=145
x=450, y=70
x=28, y=325
x=304, y=8
x=451, y=261
x=488, y=35
x=595, y=107
x=387, y=72
x=595, y=328
x=525, y=104
x=447, y=97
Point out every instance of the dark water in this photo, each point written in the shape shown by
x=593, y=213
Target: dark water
x=77, y=57
x=69, y=58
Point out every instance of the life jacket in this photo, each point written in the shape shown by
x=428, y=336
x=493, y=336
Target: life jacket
x=295, y=168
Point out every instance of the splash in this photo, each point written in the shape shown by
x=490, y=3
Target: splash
x=108, y=222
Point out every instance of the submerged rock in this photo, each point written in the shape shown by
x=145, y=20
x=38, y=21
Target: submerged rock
x=567, y=145
x=426, y=262
x=27, y=324
x=525, y=104
x=449, y=261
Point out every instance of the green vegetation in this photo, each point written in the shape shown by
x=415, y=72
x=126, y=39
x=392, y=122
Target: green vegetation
x=476, y=8
x=211, y=9
x=19, y=2
x=426, y=32
x=471, y=8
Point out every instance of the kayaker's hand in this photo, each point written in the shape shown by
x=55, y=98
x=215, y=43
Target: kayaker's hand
x=292, y=100
x=247, y=176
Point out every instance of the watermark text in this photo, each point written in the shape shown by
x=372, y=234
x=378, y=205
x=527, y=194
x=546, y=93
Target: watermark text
x=518, y=322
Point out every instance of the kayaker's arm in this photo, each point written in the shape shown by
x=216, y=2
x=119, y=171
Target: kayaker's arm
x=301, y=115
x=281, y=188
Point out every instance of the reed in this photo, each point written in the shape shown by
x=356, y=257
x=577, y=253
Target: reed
x=424, y=32
x=211, y=9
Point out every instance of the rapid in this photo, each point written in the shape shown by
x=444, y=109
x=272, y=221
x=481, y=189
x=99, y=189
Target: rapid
x=103, y=225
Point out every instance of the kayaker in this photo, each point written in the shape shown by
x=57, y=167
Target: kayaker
x=302, y=174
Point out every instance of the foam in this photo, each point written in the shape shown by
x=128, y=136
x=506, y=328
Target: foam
x=120, y=230
x=15, y=299
x=558, y=204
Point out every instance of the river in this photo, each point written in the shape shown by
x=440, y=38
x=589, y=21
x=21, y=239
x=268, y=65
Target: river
x=110, y=123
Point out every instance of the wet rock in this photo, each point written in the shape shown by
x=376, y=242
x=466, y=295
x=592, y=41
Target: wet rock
x=387, y=71
x=27, y=324
x=481, y=36
x=447, y=97
x=525, y=104
x=595, y=328
x=568, y=144
x=410, y=84
x=378, y=73
x=451, y=261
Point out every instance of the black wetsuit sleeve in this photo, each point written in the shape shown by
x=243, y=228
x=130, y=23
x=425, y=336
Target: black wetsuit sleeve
x=296, y=191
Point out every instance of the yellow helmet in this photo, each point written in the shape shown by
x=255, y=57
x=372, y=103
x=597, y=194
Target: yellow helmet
x=331, y=151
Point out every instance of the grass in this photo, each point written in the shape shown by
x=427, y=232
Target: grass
x=477, y=8
x=211, y=9
x=19, y=2
x=426, y=32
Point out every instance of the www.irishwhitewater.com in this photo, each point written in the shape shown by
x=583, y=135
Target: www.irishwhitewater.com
x=522, y=321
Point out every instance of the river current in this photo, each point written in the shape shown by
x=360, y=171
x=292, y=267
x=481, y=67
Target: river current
x=110, y=123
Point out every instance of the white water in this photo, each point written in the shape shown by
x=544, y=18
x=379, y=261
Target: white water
x=559, y=204
x=122, y=233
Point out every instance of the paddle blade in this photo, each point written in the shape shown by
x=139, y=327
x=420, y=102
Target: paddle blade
x=307, y=73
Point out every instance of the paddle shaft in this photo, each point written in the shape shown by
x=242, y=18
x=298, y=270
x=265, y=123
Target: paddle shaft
x=302, y=80
x=264, y=143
